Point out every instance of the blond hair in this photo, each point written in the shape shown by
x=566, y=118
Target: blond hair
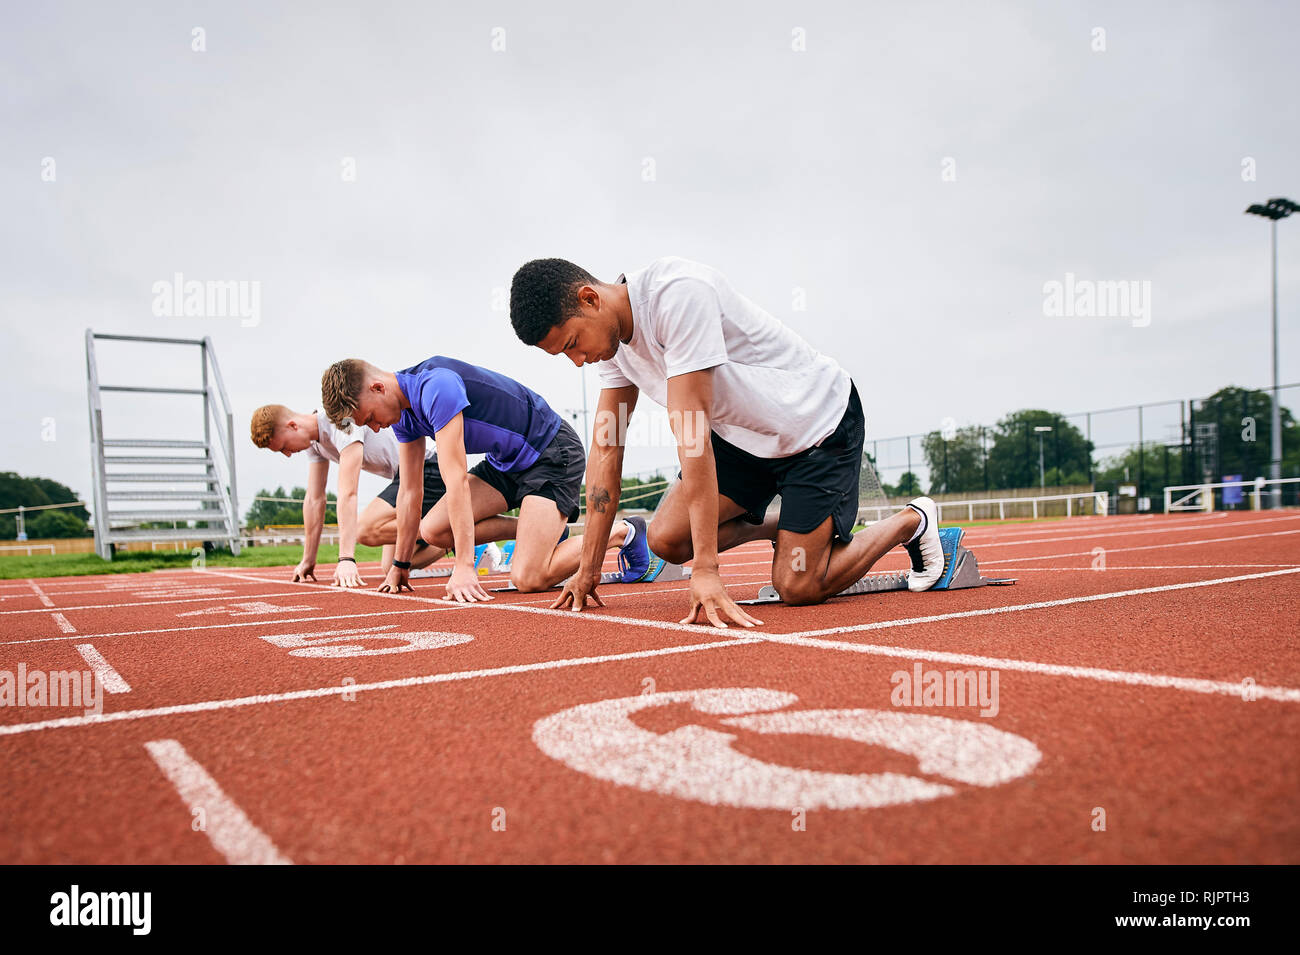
x=341, y=387
x=266, y=420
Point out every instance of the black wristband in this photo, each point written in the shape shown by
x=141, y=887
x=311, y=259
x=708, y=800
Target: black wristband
x=402, y=564
x=342, y=559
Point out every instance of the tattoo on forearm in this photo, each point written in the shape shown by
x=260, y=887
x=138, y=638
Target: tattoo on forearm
x=599, y=498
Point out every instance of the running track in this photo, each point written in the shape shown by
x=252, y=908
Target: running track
x=1156, y=680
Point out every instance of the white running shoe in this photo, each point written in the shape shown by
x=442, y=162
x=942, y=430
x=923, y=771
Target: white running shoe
x=493, y=558
x=926, y=551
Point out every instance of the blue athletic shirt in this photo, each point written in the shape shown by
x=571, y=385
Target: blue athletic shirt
x=509, y=423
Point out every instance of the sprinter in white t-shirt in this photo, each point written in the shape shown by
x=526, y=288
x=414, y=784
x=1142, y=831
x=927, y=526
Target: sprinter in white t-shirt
x=757, y=412
x=354, y=450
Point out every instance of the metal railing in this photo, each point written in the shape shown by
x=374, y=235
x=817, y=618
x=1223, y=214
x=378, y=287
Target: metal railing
x=1200, y=497
x=1098, y=505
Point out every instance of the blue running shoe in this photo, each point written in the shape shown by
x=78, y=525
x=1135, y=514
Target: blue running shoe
x=635, y=560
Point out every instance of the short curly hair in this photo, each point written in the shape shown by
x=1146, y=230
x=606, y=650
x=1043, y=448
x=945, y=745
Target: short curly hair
x=341, y=387
x=266, y=420
x=543, y=294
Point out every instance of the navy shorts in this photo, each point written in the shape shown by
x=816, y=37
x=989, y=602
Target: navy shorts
x=557, y=474
x=434, y=489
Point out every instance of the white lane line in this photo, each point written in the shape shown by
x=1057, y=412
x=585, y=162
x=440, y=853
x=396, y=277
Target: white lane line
x=680, y=586
x=244, y=624
x=13, y=729
x=1281, y=694
x=1037, y=605
x=63, y=623
x=229, y=830
x=117, y=591
x=527, y=608
x=45, y=601
x=1109, y=567
x=109, y=678
x=1161, y=546
x=1134, y=533
x=1028, y=528
x=229, y=598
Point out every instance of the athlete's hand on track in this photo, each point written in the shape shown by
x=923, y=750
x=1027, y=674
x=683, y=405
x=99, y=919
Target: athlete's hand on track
x=709, y=597
x=463, y=587
x=305, y=571
x=578, y=589
x=347, y=575
x=396, y=581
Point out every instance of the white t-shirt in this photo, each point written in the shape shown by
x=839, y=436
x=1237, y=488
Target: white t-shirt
x=774, y=395
x=379, y=451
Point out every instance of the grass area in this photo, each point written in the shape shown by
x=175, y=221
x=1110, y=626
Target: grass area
x=74, y=565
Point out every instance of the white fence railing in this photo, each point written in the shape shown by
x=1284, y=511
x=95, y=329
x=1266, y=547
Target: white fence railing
x=1086, y=502
x=8, y=548
x=1200, y=497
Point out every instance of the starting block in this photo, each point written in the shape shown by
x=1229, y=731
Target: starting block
x=479, y=551
x=660, y=571
x=960, y=571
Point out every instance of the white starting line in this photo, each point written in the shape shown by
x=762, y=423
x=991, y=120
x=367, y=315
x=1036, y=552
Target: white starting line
x=229, y=830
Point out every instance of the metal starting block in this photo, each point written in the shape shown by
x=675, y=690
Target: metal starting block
x=960, y=571
x=479, y=551
x=660, y=572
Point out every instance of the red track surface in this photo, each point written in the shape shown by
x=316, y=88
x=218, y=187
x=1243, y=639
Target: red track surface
x=1133, y=702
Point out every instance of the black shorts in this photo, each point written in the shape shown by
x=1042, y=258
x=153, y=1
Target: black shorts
x=434, y=489
x=815, y=484
x=556, y=475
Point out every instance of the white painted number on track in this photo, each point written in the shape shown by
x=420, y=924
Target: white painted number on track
x=699, y=763
x=343, y=643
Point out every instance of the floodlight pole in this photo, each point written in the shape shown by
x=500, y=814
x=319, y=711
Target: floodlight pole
x=1042, y=479
x=1275, y=471
x=1273, y=210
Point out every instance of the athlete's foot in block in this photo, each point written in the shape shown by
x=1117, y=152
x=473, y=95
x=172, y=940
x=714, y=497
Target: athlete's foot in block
x=634, y=556
x=924, y=548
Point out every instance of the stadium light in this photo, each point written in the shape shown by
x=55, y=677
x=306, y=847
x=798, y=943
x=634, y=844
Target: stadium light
x=1273, y=210
x=1042, y=479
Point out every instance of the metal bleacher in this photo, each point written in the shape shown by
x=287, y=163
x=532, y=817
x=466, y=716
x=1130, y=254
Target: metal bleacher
x=155, y=489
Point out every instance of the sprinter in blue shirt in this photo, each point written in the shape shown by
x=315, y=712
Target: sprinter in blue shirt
x=533, y=461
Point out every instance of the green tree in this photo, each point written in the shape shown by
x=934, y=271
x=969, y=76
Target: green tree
x=1244, y=422
x=58, y=523
x=956, y=463
x=1155, y=467
x=267, y=513
x=909, y=485
x=1013, y=456
x=16, y=491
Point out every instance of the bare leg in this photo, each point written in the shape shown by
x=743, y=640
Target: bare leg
x=808, y=568
x=539, y=562
x=670, y=530
x=378, y=528
x=486, y=503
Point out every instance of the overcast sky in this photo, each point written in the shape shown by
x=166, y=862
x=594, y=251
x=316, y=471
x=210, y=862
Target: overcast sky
x=896, y=181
